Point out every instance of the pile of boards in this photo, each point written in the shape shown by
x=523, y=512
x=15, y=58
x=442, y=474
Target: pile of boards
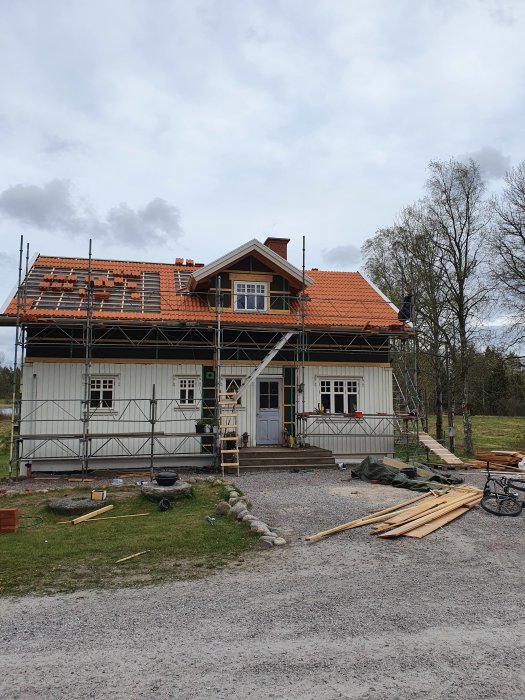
x=416, y=517
x=499, y=458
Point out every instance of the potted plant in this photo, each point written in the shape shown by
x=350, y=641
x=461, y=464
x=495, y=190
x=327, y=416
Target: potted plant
x=200, y=425
x=205, y=425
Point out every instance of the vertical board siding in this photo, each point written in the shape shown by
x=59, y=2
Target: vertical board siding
x=52, y=394
x=56, y=409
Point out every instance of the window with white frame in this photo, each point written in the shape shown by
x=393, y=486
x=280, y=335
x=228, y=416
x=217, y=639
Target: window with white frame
x=232, y=384
x=250, y=296
x=187, y=391
x=101, y=393
x=339, y=395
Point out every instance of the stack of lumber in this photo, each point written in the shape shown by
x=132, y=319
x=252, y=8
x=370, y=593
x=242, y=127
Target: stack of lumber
x=416, y=517
x=501, y=458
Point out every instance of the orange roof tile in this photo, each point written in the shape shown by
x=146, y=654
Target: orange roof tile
x=335, y=299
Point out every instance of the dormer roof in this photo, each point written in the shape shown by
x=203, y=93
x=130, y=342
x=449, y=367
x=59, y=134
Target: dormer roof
x=254, y=247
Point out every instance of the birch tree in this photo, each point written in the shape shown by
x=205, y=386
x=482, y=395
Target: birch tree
x=459, y=217
x=508, y=248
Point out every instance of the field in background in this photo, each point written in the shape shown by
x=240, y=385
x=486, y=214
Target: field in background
x=490, y=433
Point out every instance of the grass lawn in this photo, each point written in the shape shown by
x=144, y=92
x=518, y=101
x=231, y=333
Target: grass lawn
x=49, y=557
x=5, y=436
x=490, y=433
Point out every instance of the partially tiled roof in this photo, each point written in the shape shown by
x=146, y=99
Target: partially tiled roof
x=56, y=288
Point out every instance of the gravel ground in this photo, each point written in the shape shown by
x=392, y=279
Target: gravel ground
x=349, y=617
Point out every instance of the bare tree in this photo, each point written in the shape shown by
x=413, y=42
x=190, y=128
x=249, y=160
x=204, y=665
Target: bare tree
x=402, y=259
x=460, y=219
x=508, y=248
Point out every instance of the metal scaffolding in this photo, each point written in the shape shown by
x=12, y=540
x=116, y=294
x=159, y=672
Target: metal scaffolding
x=158, y=434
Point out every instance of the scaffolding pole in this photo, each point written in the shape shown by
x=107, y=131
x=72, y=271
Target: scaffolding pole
x=88, y=338
x=19, y=341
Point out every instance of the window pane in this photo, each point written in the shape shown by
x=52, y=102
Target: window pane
x=352, y=403
x=260, y=303
x=250, y=302
x=274, y=400
x=264, y=401
x=241, y=301
x=263, y=388
x=325, y=401
x=339, y=403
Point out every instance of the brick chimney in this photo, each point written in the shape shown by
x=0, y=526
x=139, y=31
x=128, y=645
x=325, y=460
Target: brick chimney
x=278, y=245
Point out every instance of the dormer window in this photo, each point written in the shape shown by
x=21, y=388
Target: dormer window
x=251, y=296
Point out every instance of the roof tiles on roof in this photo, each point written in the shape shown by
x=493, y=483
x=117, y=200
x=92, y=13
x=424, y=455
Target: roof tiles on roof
x=335, y=299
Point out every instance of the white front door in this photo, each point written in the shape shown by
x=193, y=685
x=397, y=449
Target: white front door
x=269, y=417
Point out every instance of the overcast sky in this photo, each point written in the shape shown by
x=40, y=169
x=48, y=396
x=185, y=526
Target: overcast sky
x=179, y=128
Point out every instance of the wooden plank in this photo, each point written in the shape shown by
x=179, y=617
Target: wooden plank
x=407, y=527
x=90, y=515
x=400, y=505
x=400, y=519
x=132, y=556
x=365, y=520
x=409, y=513
x=108, y=517
x=434, y=446
x=424, y=530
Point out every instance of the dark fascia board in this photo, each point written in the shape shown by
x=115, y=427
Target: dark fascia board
x=253, y=246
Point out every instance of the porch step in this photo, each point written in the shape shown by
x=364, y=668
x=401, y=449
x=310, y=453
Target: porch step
x=266, y=458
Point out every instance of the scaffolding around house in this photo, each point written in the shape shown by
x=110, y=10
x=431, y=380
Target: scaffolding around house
x=157, y=428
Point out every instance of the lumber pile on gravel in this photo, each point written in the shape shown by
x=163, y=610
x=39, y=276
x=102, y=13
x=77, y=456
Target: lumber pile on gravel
x=501, y=458
x=416, y=517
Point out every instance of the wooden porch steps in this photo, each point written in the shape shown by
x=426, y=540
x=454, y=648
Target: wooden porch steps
x=285, y=458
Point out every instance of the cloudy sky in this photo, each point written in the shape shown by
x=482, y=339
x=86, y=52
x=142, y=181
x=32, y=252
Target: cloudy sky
x=174, y=128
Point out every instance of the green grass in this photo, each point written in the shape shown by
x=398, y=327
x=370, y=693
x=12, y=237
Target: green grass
x=5, y=436
x=489, y=432
x=50, y=557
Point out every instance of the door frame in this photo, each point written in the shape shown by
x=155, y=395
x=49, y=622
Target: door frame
x=270, y=378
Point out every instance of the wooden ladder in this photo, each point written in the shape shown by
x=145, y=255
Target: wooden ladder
x=228, y=430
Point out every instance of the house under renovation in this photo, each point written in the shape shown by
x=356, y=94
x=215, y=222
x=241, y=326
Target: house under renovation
x=233, y=362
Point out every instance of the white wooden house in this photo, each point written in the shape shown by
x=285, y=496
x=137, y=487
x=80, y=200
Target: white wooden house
x=123, y=358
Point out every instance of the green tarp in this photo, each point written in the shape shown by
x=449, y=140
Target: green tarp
x=373, y=469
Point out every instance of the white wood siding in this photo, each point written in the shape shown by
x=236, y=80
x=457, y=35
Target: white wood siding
x=51, y=404
x=52, y=394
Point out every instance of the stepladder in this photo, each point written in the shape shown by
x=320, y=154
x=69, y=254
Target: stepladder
x=228, y=431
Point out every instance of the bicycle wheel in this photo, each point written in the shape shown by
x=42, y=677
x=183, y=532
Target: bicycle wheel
x=518, y=484
x=501, y=505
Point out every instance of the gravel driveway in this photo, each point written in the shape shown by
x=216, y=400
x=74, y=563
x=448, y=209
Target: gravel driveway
x=349, y=617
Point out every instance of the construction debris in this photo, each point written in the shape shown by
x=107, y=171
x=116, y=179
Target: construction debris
x=109, y=517
x=394, y=472
x=416, y=517
x=93, y=514
x=131, y=556
x=501, y=458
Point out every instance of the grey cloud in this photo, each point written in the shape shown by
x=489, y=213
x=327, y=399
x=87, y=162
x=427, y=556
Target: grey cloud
x=58, y=146
x=48, y=207
x=52, y=207
x=342, y=256
x=492, y=162
x=157, y=222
